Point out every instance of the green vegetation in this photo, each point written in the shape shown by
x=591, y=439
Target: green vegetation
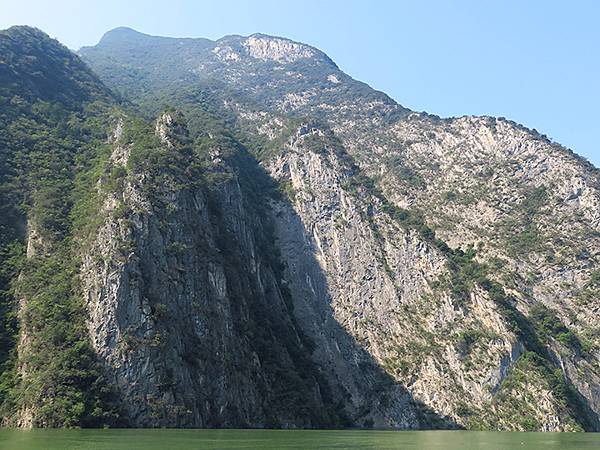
x=521, y=231
x=11, y=259
x=467, y=339
x=55, y=116
x=591, y=289
x=287, y=189
x=62, y=379
x=512, y=406
x=161, y=162
x=35, y=68
x=62, y=382
x=548, y=325
x=466, y=273
x=405, y=173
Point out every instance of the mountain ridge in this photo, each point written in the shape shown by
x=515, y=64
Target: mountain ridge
x=83, y=49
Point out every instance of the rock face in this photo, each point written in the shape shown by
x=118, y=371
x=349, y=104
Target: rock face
x=283, y=50
x=186, y=311
x=287, y=247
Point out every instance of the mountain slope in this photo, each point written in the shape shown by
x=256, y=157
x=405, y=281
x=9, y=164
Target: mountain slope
x=510, y=217
x=274, y=72
x=53, y=108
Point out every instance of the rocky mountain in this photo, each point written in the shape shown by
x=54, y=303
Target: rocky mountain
x=245, y=236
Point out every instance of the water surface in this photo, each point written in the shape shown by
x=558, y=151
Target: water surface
x=167, y=439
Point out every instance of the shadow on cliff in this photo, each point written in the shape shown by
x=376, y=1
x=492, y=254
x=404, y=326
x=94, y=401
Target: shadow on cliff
x=350, y=380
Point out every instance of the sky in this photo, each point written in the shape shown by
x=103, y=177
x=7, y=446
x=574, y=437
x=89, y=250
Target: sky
x=534, y=61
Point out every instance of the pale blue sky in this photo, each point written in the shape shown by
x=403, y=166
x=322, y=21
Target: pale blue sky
x=537, y=62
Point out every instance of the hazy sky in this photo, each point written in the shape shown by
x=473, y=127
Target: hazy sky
x=537, y=62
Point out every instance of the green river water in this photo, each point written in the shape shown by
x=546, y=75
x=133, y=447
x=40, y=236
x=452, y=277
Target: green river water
x=11, y=439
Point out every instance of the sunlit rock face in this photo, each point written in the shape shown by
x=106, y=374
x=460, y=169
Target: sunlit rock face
x=276, y=49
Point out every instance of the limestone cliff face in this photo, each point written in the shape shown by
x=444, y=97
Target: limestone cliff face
x=381, y=284
x=181, y=286
x=186, y=311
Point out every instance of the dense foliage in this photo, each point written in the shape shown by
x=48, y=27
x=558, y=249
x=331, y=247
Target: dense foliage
x=55, y=115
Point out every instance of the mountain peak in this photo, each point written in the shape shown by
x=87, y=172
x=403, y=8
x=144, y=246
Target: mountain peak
x=123, y=30
x=36, y=66
x=265, y=47
x=24, y=33
x=122, y=33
